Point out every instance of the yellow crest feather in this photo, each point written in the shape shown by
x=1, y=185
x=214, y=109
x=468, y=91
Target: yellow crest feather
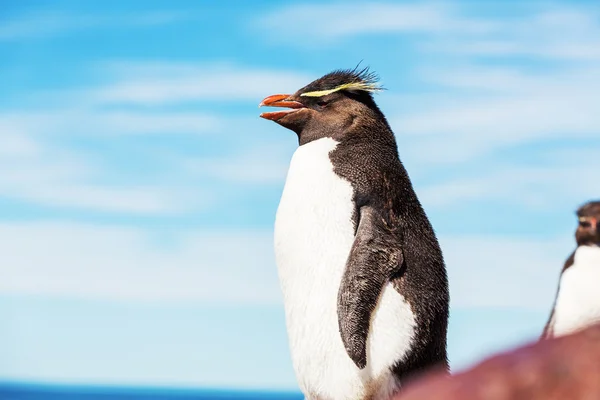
x=368, y=87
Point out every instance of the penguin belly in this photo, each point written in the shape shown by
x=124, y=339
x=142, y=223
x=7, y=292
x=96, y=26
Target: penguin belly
x=578, y=301
x=314, y=232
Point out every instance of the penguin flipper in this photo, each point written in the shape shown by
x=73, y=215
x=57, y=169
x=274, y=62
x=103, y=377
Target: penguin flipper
x=374, y=258
x=549, y=328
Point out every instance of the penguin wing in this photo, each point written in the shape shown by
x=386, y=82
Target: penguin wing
x=549, y=328
x=374, y=258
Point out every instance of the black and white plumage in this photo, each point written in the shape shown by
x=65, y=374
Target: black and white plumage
x=362, y=274
x=577, y=302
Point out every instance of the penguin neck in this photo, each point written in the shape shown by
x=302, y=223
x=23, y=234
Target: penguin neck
x=362, y=129
x=588, y=244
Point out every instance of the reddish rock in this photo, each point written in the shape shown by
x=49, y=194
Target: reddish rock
x=557, y=369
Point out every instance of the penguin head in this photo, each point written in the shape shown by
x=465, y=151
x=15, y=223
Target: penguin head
x=329, y=106
x=588, y=230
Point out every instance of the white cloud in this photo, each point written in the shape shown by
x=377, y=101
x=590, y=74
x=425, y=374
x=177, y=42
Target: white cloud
x=72, y=120
x=40, y=173
x=546, y=31
x=489, y=271
x=130, y=200
x=513, y=105
x=136, y=95
x=128, y=264
x=565, y=49
x=16, y=145
x=550, y=32
x=560, y=186
x=156, y=82
x=47, y=172
x=49, y=23
x=267, y=164
x=328, y=21
x=476, y=112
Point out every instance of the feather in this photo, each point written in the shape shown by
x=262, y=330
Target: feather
x=351, y=80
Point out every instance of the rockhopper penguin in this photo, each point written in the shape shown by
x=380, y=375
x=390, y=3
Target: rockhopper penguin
x=362, y=274
x=577, y=302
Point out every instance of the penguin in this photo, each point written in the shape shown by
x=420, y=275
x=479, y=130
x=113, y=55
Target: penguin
x=362, y=274
x=577, y=301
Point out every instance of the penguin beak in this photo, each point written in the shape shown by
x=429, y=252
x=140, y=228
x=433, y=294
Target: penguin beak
x=279, y=100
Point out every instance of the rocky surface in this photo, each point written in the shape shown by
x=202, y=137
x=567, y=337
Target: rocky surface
x=558, y=369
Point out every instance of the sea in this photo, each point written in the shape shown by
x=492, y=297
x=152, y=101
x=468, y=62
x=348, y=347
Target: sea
x=25, y=391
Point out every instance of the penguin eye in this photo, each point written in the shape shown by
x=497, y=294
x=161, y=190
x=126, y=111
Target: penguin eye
x=321, y=103
x=585, y=224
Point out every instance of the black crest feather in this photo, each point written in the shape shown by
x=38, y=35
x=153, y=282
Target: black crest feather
x=345, y=79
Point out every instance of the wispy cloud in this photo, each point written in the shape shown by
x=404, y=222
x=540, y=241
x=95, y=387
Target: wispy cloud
x=563, y=185
x=52, y=173
x=480, y=111
x=127, y=264
x=48, y=175
x=548, y=31
x=159, y=83
x=585, y=49
x=497, y=271
x=50, y=23
x=264, y=165
x=332, y=21
x=74, y=120
x=95, y=197
x=155, y=82
x=115, y=263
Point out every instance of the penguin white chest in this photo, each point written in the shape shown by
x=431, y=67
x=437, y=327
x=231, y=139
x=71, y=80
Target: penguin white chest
x=578, y=301
x=314, y=232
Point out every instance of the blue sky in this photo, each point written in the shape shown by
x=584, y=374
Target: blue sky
x=140, y=186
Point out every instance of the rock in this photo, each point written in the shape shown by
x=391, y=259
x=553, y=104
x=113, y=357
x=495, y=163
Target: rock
x=557, y=369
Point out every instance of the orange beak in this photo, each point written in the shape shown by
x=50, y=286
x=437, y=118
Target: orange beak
x=279, y=100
